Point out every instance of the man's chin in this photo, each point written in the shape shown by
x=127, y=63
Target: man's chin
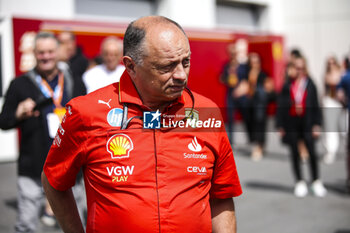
x=46, y=68
x=174, y=95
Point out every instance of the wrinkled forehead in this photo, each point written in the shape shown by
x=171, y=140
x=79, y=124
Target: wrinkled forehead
x=45, y=43
x=166, y=38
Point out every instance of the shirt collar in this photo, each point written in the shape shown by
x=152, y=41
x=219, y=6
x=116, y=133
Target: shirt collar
x=127, y=90
x=129, y=94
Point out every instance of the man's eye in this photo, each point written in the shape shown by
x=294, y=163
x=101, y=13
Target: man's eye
x=186, y=62
x=167, y=68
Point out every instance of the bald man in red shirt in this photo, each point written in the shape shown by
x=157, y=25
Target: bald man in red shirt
x=141, y=174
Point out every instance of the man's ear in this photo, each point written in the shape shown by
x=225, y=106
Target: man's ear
x=129, y=65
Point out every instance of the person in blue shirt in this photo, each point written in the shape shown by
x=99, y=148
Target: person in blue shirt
x=343, y=94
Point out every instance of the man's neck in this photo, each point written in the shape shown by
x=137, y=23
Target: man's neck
x=50, y=75
x=154, y=106
x=153, y=103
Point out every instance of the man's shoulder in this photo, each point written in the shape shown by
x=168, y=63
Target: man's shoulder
x=106, y=97
x=22, y=80
x=24, y=76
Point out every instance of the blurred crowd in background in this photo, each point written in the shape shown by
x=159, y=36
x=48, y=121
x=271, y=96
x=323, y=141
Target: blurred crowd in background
x=301, y=116
x=302, y=113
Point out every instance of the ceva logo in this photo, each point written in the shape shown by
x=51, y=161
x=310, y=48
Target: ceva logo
x=119, y=146
x=196, y=169
x=194, y=145
x=201, y=171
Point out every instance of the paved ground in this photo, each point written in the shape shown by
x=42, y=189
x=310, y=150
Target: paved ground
x=267, y=205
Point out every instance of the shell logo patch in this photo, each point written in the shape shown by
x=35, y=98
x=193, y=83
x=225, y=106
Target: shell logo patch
x=119, y=146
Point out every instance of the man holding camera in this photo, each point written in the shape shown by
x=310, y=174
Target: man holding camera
x=34, y=103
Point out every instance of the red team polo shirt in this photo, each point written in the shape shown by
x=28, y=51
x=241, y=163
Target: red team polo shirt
x=142, y=180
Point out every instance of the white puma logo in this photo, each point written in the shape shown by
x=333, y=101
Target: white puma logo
x=106, y=103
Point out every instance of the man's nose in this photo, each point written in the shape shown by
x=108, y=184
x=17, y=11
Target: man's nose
x=180, y=73
x=46, y=55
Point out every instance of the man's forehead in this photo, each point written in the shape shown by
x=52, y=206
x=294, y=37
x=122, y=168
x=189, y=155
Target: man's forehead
x=43, y=42
x=167, y=44
x=166, y=37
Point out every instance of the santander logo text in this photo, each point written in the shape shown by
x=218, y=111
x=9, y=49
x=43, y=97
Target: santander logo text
x=194, y=145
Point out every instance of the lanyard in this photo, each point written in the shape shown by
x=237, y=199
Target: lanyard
x=55, y=94
x=298, y=90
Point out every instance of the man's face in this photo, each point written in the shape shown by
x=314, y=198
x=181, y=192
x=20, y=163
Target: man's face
x=68, y=43
x=232, y=52
x=111, y=55
x=46, y=51
x=166, y=65
x=300, y=67
x=255, y=62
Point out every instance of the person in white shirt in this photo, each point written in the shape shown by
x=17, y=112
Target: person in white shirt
x=110, y=71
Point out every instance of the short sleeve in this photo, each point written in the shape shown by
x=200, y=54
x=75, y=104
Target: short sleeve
x=66, y=155
x=225, y=181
